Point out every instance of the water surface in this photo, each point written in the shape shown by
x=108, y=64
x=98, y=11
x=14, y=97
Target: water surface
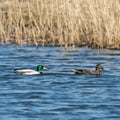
x=59, y=94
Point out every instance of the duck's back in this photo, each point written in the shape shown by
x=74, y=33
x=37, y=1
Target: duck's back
x=82, y=71
x=26, y=71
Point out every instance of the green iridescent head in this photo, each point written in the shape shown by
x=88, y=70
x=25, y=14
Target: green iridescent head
x=41, y=67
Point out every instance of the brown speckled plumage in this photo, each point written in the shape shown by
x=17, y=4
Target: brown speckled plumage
x=84, y=71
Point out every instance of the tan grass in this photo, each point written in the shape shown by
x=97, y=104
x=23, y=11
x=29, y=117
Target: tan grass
x=95, y=23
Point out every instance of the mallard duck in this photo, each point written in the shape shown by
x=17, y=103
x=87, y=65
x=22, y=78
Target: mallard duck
x=83, y=71
x=30, y=71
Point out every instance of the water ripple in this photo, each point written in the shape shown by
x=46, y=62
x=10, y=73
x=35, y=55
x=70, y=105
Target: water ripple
x=58, y=93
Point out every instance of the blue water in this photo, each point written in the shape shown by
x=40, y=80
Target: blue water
x=59, y=94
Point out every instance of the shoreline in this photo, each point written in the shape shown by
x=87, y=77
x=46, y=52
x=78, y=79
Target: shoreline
x=66, y=47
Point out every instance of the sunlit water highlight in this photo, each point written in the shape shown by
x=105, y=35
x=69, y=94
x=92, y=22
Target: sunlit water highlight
x=59, y=94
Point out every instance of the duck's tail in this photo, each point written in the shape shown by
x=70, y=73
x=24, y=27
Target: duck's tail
x=15, y=70
x=77, y=71
x=73, y=70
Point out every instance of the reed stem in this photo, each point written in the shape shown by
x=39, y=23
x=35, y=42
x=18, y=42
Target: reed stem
x=93, y=23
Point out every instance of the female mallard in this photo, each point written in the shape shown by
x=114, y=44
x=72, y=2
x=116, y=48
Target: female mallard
x=83, y=71
x=30, y=71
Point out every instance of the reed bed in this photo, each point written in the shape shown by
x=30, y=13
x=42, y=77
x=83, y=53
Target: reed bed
x=93, y=23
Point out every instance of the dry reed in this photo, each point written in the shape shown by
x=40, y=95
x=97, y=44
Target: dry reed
x=95, y=23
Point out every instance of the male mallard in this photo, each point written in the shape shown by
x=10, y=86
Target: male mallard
x=30, y=71
x=83, y=71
